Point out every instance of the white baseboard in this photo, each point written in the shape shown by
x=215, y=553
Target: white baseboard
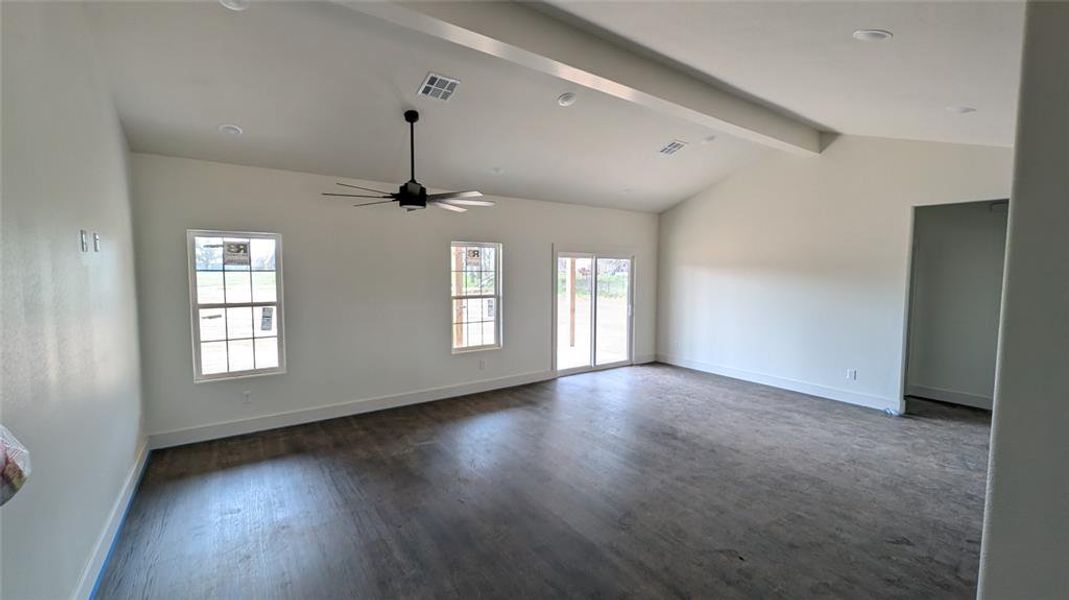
x=952, y=396
x=793, y=385
x=322, y=413
x=92, y=571
x=643, y=359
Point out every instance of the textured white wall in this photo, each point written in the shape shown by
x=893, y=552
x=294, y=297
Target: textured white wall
x=795, y=269
x=70, y=385
x=1025, y=552
x=366, y=289
x=958, y=254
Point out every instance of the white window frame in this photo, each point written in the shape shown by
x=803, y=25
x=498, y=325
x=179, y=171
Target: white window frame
x=198, y=376
x=498, y=297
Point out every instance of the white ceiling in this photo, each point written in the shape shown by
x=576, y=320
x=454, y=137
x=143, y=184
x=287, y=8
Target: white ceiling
x=801, y=57
x=320, y=88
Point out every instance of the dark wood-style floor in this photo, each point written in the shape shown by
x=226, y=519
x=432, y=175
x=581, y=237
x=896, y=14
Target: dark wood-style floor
x=643, y=482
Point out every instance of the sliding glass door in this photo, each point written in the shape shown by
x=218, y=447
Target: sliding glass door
x=593, y=311
x=612, y=310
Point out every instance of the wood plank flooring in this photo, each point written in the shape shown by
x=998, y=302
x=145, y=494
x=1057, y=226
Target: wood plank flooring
x=642, y=482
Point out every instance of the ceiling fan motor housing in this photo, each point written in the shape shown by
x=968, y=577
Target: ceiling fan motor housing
x=412, y=195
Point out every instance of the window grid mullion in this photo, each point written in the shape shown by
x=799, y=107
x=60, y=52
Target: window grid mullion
x=252, y=311
x=242, y=339
x=226, y=313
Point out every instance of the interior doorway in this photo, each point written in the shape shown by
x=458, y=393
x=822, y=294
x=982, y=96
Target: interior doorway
x=592, y=312
x=955, y=299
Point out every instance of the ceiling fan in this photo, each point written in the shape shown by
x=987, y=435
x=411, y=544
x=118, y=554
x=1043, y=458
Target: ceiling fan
x=412, y=195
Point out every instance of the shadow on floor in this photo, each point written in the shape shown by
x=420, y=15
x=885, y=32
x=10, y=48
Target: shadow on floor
x=944, y=411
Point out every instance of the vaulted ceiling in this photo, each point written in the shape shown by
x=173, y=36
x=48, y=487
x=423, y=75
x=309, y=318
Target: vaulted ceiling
x=801, y=57
x=320, y=87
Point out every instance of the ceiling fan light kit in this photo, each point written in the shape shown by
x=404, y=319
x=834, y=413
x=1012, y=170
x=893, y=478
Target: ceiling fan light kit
x=412, y=195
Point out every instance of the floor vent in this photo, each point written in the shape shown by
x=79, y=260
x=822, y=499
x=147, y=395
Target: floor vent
x=673, y=147
x=438, y=87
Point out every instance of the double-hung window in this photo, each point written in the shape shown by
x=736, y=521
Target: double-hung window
x=235, y=281
x=475, y=272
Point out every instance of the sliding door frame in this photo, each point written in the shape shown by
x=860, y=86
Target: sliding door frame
x=594, y=255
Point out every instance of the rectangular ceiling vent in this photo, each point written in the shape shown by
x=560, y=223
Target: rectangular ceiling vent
x=438, y=87
x=673, y=147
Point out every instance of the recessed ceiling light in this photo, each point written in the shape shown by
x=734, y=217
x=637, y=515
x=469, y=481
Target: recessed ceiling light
x=961, y=110
x=238, y=5
x=873, y=35
x=566, y=99
x=231, y=129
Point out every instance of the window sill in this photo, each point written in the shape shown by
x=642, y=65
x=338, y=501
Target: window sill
x=476, y=349
x=239, y=375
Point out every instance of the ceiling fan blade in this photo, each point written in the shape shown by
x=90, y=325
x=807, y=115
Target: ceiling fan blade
x=349, y=185
x=464, y=202
x=374, y=203
x=440, y=204
x=354, y=195
x=452, y=195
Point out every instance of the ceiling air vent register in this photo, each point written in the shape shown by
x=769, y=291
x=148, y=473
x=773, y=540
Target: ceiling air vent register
x=438, y=87
x=673, y=146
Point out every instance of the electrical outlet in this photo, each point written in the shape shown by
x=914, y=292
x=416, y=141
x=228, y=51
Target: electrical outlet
x=482, y=364
x=246, y=397
x=851, y=374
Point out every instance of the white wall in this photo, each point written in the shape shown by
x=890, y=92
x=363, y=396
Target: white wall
x=1025, y=551
x=956, y=293
x=366, y=292
x=794, y=270
x=70, y=387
